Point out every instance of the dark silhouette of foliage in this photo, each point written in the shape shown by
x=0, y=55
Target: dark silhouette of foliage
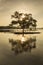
x=24, y=20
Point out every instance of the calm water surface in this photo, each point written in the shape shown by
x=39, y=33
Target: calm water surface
x=7, y=56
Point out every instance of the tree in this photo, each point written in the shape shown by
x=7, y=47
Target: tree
x=24, y=20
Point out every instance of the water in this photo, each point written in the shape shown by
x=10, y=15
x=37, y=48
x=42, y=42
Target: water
x=8, y=57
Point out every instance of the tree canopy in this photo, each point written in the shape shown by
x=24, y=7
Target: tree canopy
x=24, y=19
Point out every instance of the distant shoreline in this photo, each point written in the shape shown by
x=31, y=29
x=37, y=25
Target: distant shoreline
x=11, y=30
x=8, y=27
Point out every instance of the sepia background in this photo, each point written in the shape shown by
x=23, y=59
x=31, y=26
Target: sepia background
x=8, y=7
x=7, y=56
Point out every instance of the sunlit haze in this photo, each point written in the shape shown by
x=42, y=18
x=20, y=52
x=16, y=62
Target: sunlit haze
x=8, y=7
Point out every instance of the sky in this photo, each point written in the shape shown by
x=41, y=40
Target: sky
x=8, y=7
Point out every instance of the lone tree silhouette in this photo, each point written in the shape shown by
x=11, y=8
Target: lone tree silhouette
x=24, y=20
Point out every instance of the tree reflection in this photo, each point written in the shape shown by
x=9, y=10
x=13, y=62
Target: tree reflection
x=19, y=47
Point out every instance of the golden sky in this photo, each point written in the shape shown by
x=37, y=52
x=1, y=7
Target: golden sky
x=7, y=7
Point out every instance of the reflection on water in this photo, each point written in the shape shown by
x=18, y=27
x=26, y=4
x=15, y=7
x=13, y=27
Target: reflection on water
x=10, y=45
x=19, y=46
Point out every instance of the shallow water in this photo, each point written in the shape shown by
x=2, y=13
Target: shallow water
x=8, y=57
